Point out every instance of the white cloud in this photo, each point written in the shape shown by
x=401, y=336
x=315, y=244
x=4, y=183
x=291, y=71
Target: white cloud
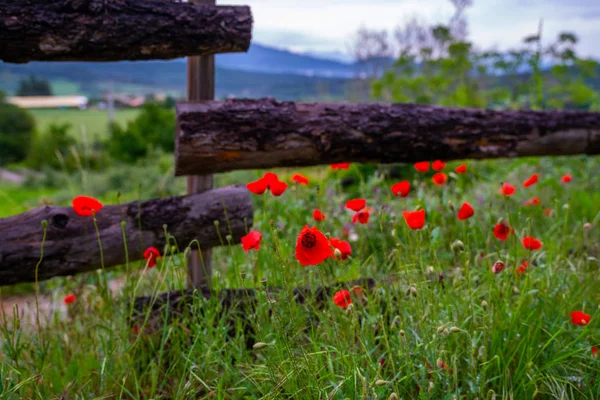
x=328, y=25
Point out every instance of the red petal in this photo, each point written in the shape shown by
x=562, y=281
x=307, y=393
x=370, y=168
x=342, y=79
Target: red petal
x=257, y=187
x=465, y=212
x=86, y=206
x=440, y=178
x=531, y=243
x=401, y=188
x=356, y=204
x=422, y=166
x=278, y=187
x=318, y=215
x=342, y=298
x=507, y=189
x=312, y=247
x=251, y=241
x=461, y=169
x=532, y=180
x=340, y=166
x=414, y=219
x=438, y=165
x=300, y=179
x=502, y=231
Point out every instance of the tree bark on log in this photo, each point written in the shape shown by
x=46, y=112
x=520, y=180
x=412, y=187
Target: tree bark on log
x=71, y=246
x=115, y=30
x=247, y=134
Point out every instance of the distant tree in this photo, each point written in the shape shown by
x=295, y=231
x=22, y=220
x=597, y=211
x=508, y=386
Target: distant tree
x=33, y=86
x=17, y=127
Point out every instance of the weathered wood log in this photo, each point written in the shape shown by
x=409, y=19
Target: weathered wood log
x=114, y=30
x=71, y=246
x=246, y=134
x=155, y=312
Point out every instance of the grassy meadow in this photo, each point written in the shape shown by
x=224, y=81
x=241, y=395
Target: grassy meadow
x=95, y=122
x=438, y=324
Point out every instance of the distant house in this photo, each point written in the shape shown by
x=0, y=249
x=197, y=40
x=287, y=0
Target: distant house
x=80, y=102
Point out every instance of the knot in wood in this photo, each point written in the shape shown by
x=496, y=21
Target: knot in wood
x=60, y=221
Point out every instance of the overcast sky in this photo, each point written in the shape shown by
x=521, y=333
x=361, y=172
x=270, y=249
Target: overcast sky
x=328, y=25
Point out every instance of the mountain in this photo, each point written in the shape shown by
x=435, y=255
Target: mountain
x=95, y=78
x=261, y=58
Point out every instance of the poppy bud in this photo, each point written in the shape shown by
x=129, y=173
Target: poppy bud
x=440, y=329
x=393, y=396
x=455, y=329
x=229, y=238
x=337, y=253
x=402, y=333
x=516, y=290
x=451, y=205
x=439, y=363
x=587, y=226
x=259, y=345
x=484, y=304
x=123, y=224
x=445, y=332
x=430, y=270
x=216, y=222
x=396, y=321
x=44, y=224
x=381, y=382
x=413, y=291
x=263, y=280
x=457, y=246
x=243, y=273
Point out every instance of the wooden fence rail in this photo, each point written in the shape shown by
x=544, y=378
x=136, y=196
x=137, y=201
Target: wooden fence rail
x=110, y=30
x=248, y=134
x=71, y=246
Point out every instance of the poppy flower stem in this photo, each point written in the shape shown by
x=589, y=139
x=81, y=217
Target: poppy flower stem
x=103, y=280
x=37, y=284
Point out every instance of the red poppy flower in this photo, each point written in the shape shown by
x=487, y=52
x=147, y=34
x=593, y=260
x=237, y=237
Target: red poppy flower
x=268, y=181
x=532, y=180
x=312, y=247
x=438, y=165
x=251, y=241
x=502, y=231
x=277, y=188
x=345, y=165
x=439, y=178
x=522, y=268
x=465, y=212
x=422, y=166
x=547, y=211
x=534, y=201
x=70, y=298
x=595, y=351
x=414, y=219
x=343, y=247
x=401, y=188
x=566, y=178
x=318, y=215
x=257, y=187
x=461, y=169
x=507, y=189
x=531, y=243
x=300, y=179
x=151, y=254
x=356, y=204
x=86, y=206
x=497, y=267
x=361, y=216
x=342, y=298
x=580, y=318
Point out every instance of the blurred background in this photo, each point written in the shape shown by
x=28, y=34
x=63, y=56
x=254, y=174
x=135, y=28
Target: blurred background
x=68, y=128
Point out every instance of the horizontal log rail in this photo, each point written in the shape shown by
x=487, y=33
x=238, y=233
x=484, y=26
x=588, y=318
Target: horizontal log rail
x=115, y=30
x=236, y=134
x=71, y=246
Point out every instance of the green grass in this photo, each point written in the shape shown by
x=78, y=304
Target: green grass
x=504, y=336
x=94, y=122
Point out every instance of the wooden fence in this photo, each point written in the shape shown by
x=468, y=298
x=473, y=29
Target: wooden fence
x=216, y=136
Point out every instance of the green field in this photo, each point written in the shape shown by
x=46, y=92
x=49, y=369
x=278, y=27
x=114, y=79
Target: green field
x=93, y=122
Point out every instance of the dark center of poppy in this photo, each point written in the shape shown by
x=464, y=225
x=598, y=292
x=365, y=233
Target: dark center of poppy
x=309, y=240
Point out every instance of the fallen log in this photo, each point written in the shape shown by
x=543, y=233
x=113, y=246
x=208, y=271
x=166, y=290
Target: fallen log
x=155, y=312
x=247, y=134
x=111, y=30
x=71, y=247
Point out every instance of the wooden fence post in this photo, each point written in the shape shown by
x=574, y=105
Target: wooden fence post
x=200, y=86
